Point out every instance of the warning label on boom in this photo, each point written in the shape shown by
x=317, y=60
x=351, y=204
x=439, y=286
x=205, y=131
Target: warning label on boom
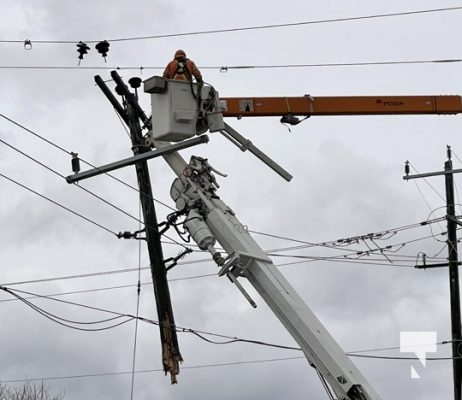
x=246, y=105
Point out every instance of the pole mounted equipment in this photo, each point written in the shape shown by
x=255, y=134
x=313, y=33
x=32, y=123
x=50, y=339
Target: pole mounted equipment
x=103, y=48
x=82, y=49
x=135, y=83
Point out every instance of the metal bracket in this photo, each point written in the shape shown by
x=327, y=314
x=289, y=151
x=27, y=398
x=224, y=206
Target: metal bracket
x=239, y=260
x=242, y=258
x=139, y=157
x=245, y=144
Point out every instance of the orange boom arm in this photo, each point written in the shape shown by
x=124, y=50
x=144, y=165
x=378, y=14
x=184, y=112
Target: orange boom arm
x=360, y=105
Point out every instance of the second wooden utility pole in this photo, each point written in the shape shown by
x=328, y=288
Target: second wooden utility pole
x=453, y=263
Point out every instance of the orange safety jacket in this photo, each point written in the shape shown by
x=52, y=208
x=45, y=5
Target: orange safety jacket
x=175, y=70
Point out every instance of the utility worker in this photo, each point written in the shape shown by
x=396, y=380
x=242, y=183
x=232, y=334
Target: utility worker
x=182, y=68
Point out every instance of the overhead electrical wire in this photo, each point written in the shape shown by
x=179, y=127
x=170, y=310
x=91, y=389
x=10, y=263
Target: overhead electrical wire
x=137, y=314
x=428, y=183
x=64, y=178
x=305, y=258
x=79, y=186
x=125, y=270
x=59, y=204
x=72, y=324
x=377, y=234
x=248, y=28
x=226, y=68
x=95, y=375
x=338, y=258
x=340, y=243
x=21, y=126
x=202, y=366
x=199, y=333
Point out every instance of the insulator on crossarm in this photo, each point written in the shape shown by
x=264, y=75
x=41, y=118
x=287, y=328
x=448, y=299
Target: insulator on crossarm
x=406, y=168
x=449, y=151
x=75, y=163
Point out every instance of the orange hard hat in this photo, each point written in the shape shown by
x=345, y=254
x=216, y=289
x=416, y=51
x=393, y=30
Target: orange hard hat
x=180, y=53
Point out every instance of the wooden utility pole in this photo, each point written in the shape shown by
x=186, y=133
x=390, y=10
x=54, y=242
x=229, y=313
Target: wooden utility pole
x=453, y=277
x=131, y=113
x=171, y=356
x=453, y=264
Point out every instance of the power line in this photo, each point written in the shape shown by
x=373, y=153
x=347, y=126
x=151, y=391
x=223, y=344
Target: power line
x=378, y=234
x=323, y=65
x=71, y=323
x=202, y=366
x=153, y=370
x=403, y=358
x=81, y=187
x=138, y=296
x=66, y=277
x=306, y=258
x=110, y=287
x=125, y=270
x=58, y=204
x=226, y=68
x=200, y=335
x=248, y=28
x=340, y=243
x=63, y=177
x=21, y=126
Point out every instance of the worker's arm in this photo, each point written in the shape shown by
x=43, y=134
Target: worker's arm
x=192, y=67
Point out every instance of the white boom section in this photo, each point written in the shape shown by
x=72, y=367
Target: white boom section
x=318, y=345
x=209, y=220
x=247, y=259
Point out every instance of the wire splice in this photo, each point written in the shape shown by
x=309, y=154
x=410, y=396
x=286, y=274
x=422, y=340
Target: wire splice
x=27, y=44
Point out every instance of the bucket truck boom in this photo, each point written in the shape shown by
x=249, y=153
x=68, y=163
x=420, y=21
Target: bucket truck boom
x=179, y=111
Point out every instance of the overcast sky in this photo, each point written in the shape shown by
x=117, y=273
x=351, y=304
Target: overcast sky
x=347, y=182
